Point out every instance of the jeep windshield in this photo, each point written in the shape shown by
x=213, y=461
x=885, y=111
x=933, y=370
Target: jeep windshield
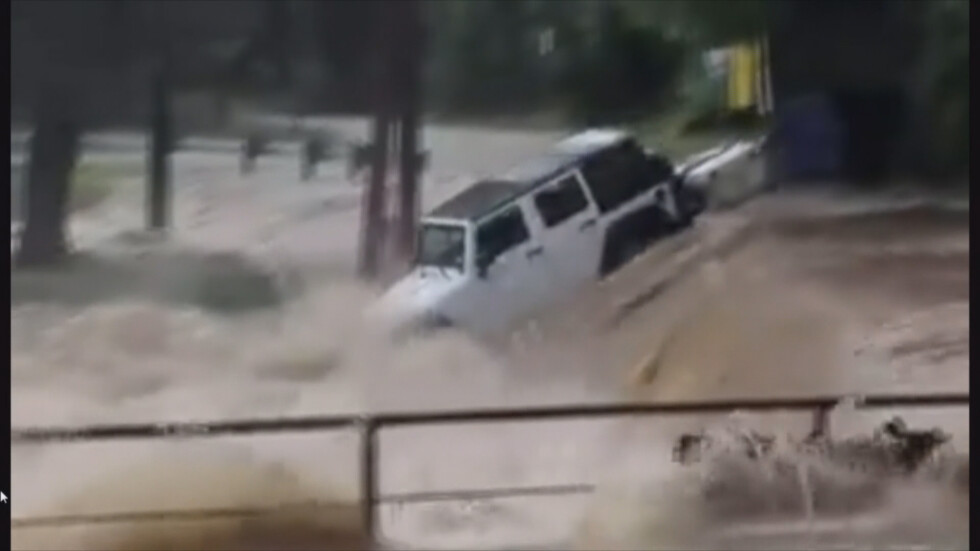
x=442, y=246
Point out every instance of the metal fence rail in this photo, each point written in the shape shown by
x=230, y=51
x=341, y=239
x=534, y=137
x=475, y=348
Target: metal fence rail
x=370, y=424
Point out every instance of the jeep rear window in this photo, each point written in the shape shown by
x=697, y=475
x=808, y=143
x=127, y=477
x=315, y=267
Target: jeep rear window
x=441, y=245
x=618, y=175
x=561, y=201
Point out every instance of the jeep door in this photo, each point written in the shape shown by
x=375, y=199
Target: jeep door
x=620, y=181
x=567, y=222
x=511, y=275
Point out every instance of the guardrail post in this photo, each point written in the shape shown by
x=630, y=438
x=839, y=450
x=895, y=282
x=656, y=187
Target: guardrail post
x=369, y=475
x=821, y=422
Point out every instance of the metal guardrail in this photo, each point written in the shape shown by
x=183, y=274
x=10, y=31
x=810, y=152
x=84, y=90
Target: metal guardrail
x=370, y=424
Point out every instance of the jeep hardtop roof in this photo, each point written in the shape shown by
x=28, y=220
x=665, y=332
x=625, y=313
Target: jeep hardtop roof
x=485, y=196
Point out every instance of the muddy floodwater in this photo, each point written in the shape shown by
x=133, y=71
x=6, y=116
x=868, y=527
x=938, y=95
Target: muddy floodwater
x=249, y=309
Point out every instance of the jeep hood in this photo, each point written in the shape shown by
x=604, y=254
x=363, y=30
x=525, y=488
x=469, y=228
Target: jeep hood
x=424, y=290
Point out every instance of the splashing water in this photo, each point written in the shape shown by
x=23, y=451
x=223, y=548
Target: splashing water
x=136, y=360
x=787, y=498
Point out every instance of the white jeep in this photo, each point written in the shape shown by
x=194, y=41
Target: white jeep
x=507, y=246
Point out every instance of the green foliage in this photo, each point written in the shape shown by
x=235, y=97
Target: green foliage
x=486, y=58
x=630, y=71
x=344, y=33
x=708, y=23
x=483, y=57
x=945, y=70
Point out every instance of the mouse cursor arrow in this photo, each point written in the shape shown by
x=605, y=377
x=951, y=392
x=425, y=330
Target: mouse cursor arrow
x=3, y=497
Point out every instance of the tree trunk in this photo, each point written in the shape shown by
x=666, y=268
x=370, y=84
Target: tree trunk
x=410, y=162
x=158, y=192
x=53, y=152
x=373, y=231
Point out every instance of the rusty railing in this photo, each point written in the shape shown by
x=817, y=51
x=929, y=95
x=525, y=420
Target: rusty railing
x=370, y=424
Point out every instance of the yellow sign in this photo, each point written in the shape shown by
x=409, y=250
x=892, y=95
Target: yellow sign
x=744, y=76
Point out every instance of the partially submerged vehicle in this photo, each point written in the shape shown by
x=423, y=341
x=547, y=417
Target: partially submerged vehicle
x=508, y=246
x=725, y=163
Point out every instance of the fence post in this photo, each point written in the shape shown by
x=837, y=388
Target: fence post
x=369, y=475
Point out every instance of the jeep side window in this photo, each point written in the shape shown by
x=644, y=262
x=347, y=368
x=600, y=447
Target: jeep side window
x=560, y=202
x=500, y=234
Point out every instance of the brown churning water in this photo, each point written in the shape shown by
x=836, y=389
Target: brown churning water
x=146, y=350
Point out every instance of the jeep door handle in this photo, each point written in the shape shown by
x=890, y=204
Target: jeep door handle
x=587, y=224
x=536, y=251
